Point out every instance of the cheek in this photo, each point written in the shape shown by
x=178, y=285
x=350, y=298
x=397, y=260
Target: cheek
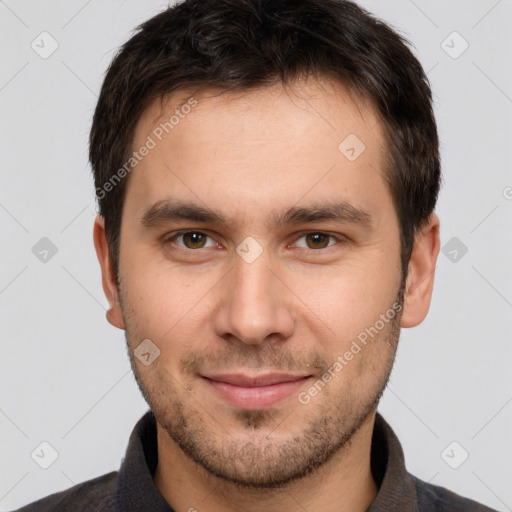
x=165, y=303
x=348, y=297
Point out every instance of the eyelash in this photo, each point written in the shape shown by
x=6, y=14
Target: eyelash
x=338, y=239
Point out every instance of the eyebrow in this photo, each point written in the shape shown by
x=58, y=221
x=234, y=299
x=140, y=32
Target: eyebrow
x=169, y=210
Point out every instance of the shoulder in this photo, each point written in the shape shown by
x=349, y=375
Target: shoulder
x=95, y=494
x=433, y=498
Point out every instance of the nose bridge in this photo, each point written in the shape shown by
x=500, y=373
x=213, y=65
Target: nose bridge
x=254, y=303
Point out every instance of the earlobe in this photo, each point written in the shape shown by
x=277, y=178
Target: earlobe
x=114, y=314
x=420, y=276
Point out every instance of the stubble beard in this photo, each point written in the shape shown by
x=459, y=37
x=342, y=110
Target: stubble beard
x=264, y=458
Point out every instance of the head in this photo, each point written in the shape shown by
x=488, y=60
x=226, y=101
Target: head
x=266, y=174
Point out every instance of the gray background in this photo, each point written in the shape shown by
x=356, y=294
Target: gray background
x=65, y=375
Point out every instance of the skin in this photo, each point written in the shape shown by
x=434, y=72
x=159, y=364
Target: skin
x=296, y=308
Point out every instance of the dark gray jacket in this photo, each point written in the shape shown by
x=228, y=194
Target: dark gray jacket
x=131, y=489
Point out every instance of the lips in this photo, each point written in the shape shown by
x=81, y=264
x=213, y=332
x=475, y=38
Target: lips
x=254, y=392
x=258, y=381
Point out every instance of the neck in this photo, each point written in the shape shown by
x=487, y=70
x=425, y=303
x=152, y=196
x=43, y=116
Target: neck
x=345, y=483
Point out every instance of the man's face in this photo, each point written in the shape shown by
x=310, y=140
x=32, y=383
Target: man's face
x=225, y=309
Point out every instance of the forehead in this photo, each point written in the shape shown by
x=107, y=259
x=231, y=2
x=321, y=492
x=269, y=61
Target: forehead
x=261, y=147
x=323, y=104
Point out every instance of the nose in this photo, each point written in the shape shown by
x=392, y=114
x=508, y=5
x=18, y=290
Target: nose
x=255, y=306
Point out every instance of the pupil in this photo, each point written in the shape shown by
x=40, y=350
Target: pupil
x=318, y=239
x=195, y=239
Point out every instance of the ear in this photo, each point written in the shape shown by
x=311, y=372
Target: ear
x=420, y=275
x=114, y=314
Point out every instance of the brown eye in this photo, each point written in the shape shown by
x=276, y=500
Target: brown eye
x=317, y=240
x=194, y=239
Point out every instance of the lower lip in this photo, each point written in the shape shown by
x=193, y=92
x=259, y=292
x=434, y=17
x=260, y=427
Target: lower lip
x=254, y=398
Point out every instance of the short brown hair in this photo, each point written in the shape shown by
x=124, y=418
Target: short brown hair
x=236, y=45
